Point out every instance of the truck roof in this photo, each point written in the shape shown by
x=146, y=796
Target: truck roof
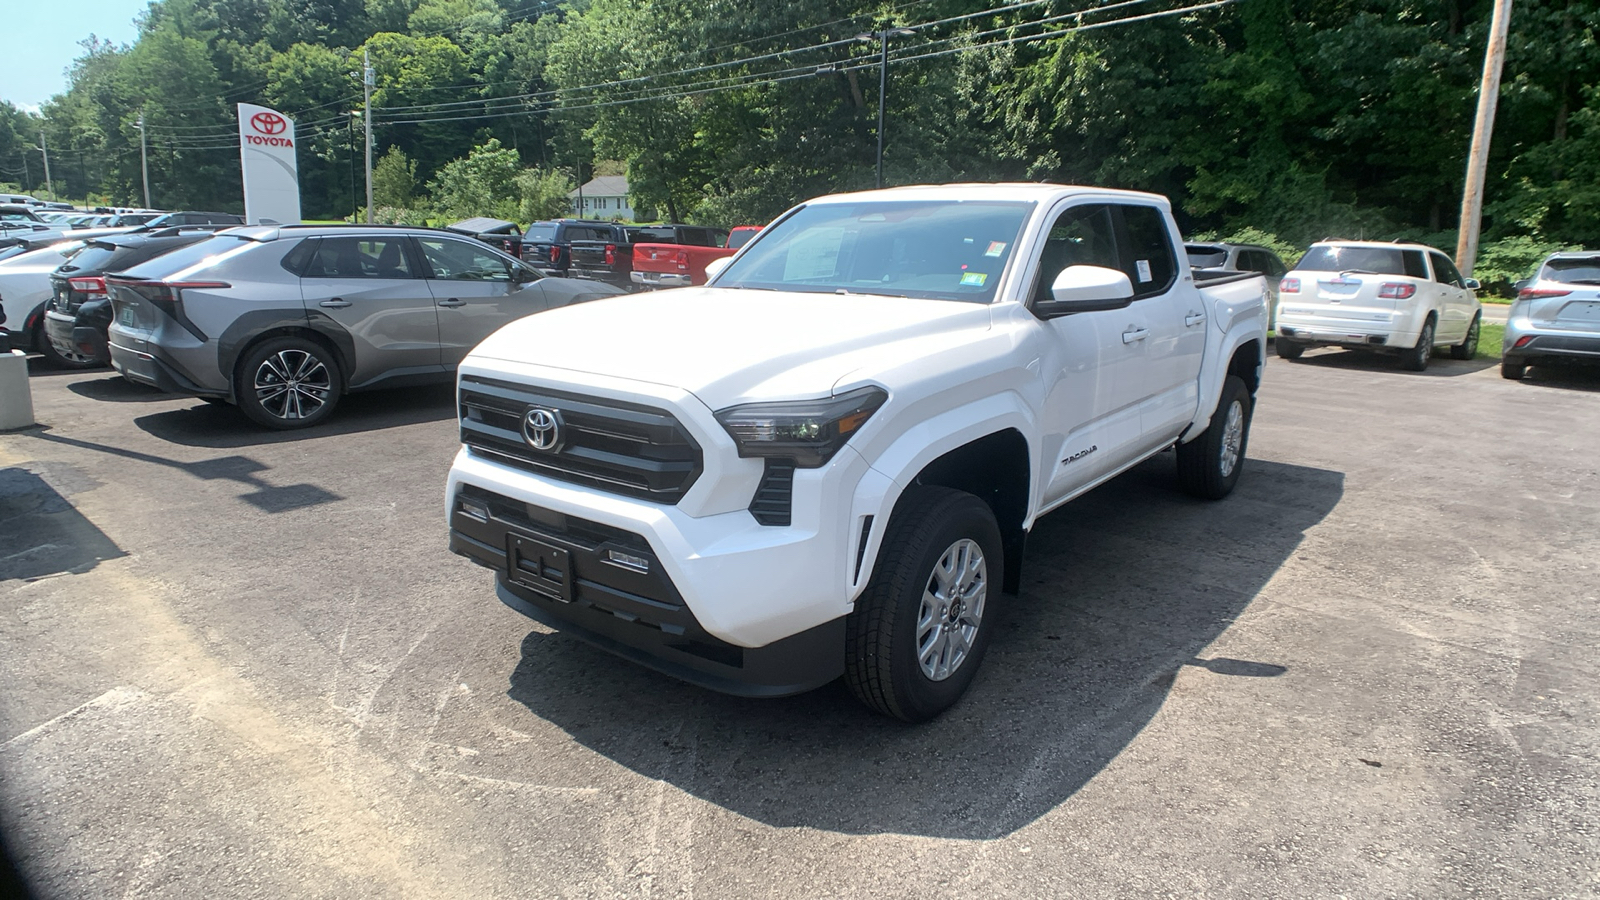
x=1034, y=192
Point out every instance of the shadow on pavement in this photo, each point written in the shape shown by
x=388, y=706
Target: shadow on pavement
x=242, y=469
x=222, y=426
x=1440, y=366
x=1122, y=588
x=43, y=534
x=116, y=389
x=1570, y=376
x=39, y=367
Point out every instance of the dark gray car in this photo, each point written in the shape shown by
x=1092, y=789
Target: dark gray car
x=283, y=320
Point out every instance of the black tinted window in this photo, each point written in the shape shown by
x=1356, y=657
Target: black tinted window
x=356, y=257
x=1368, y=260
x=1444, y=270
x=94, y=255
x=697, y=237
x=740, y=238
x=1573, y=270
x=1081, y=236
x=1148, y=258
x=1206, y=257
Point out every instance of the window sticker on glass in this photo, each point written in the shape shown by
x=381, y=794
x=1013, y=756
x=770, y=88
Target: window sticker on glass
x=1144, y=270
x=974, y=279
x=995, y=248
x=814, y=255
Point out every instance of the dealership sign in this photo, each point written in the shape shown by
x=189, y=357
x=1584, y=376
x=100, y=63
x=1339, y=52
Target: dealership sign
x=271, y=175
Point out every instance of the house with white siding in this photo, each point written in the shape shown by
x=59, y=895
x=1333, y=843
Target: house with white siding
x=605, y=197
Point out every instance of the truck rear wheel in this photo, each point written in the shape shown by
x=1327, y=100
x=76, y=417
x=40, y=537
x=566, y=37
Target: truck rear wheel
x=919, y=631
x=1209, y=465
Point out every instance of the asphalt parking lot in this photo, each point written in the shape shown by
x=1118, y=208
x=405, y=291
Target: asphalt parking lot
x=243, y=664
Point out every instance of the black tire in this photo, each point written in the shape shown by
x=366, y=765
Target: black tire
x=1513, y=369
x=1468, y=348
x=1288, y=349
x=1416, y=359
x=259, y=388
x=930, y=526
x=56, y=358
x=1209, y=465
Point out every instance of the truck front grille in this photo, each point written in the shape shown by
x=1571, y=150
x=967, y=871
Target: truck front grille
x=626, y=448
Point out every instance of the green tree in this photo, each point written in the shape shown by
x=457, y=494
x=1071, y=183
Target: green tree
x=542, y=194
x=394, y=179
x=484, y=183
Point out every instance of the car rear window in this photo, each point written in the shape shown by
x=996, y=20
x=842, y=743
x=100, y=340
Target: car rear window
x=1364, y=260
x=189, y=257
x=540, y=233
x=94, y=255
x=1206, y=257
x=1573, y=270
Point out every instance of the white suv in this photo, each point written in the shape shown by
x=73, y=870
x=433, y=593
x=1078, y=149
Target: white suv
x=1373, y=295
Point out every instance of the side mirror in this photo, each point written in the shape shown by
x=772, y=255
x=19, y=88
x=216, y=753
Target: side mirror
x=1081, y=289
x=1471, y=284
x=523, y=275
x=1520, y=284
x=715, y=267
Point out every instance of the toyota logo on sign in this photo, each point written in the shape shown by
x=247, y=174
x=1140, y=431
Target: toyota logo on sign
x=268, y=123
x=541, y=428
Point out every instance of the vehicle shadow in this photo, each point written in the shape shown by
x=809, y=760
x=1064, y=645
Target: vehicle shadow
x=1123, y=588
x=1440, y=366
x=1564, y=376
x=116, y=389
x=43, y=534
x=39, y=367
x=222, y=426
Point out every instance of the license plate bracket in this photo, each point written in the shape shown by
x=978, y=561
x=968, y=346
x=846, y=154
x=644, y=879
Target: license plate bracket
x=539, y=566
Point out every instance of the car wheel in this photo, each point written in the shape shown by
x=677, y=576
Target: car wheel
x=1209, y=465
x=1513, y=369
x=56, y=358
x=1416, y=359
x=1468, y=348
x=919, y=631
x=288, y=382
x=1288, y=349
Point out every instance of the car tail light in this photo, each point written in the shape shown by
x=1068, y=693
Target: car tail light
x=1396, y=290
x=611, y=254
x=555, y=253
x=1289, y=286
x=682, y=260
x=94, y=287
x=1522, y=342
x=1540, y=293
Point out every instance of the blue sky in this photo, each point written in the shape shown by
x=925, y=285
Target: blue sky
x=42, y=41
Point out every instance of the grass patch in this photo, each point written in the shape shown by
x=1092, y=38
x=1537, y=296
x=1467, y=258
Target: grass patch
x=1491, y=339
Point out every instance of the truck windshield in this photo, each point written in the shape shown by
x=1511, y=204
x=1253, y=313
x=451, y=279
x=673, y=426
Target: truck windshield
x=935, y=249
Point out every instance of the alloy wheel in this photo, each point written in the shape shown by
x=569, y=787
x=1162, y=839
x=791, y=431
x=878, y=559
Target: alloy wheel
x=1232, y=438
x=952, y=609
x=293, y=384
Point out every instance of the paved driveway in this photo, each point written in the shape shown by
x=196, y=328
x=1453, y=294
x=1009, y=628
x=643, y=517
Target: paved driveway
x=242, y=664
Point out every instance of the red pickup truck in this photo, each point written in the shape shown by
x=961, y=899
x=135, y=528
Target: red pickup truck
x=680, y=265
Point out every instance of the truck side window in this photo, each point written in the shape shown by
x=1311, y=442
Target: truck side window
x=1081, y=236
x=1148, y=258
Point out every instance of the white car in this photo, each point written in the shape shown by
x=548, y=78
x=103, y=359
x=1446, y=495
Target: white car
x=24, y=289
x=1380, y=296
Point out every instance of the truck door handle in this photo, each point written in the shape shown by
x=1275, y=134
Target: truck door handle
x=1193, y=319
x=335, y=303
x=453, y=302
x=1137, y=334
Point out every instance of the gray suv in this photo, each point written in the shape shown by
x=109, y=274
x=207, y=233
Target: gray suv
x=283, y=320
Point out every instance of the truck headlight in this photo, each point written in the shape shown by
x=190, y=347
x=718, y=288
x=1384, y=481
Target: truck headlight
x=809, y=432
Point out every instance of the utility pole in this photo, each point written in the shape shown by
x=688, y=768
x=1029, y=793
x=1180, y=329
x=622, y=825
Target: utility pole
x=368, y=79
x=883, y=79
x=144, y=161
x=1482, y=131
x=48, y=184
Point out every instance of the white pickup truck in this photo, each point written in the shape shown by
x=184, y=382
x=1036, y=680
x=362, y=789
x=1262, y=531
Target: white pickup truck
x=825, y=461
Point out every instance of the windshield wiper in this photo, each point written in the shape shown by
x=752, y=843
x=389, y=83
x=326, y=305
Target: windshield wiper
x=1356, y=272
x=1582, y=281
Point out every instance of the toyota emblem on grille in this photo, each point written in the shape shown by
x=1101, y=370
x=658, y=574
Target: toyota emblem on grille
x=541, y=428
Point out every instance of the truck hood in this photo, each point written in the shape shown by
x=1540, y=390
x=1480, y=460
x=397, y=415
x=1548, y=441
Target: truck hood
x=738, y=346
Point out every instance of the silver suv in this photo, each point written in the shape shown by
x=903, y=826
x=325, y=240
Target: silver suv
x=283, y=320
x=1556, y=314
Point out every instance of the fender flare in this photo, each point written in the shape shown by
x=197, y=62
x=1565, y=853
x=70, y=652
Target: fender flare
x=892, y=472
x=1216, y=371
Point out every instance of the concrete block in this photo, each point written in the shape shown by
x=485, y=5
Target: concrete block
x=16, y=397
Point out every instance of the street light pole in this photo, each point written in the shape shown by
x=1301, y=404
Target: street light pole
x=883, y=79
x=144, y=161
x=48, y=184
x=1482, y=131
x=367, y=81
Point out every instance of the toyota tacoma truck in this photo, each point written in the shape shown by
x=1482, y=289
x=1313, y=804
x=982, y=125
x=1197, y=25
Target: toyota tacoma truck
x=825, y=462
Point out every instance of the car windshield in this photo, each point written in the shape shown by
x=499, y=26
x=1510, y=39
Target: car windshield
x=1573, y=270
x=94, y=255
x=1363, y=260
x=936, y=249
x=1206, y=257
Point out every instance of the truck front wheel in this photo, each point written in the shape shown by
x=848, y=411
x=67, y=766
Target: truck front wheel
x=1209, y=465
x=920, y=629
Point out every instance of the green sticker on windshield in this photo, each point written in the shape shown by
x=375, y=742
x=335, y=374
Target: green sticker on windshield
x=974, y=279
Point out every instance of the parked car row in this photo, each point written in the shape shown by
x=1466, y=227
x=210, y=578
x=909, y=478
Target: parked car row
x=629, y=257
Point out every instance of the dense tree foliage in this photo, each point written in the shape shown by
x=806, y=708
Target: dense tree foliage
x=1289, y=118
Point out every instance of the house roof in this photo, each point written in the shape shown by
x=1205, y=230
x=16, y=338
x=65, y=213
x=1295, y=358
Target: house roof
x=604, y=186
